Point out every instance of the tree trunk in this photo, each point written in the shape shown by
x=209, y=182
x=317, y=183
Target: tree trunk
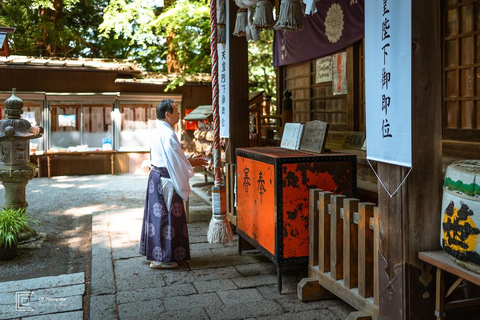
x=173, y=65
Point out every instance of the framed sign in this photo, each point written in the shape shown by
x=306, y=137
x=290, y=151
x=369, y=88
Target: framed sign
x=323, y=70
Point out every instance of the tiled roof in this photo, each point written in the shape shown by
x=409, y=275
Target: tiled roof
x=130, y=67
x=71, y=63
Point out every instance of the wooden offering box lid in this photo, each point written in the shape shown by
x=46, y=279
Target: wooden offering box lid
x=263, y=153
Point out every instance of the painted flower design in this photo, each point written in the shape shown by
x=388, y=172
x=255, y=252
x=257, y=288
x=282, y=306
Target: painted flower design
x=158, y=254
x=179, y=254
x=168, y=232
x=151, y=186
x=150, y=229
x=334, y=23
x=157, y=209
x=177, y=209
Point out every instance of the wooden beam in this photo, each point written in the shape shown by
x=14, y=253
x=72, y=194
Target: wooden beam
x=308, y=289
x=239, y=113
x=410, y=220
x=365, y=250
x=328, y=282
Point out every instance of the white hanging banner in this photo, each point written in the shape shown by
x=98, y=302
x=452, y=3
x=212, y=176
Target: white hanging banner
x=224, y=89
x=388, y=66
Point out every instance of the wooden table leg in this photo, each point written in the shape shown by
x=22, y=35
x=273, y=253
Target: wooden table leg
x=38, y=165
x=440, y=296
x=112, y=162
x=48, y=165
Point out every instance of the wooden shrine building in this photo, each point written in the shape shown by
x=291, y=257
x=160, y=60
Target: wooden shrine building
x=445, y=126
x=97, y=107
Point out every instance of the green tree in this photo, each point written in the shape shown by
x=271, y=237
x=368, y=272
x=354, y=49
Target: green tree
x=174, y=39
x=261, y=72
x=59, y=28
x=171, y=37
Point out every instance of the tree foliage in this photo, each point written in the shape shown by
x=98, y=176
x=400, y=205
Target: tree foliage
x=175, y=38
x=261, y=72
x=169, y=36
x=59, y=28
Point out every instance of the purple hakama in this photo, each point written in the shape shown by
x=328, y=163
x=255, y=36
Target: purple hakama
x=164, y=232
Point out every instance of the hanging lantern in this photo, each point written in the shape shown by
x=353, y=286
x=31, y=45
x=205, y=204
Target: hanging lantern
x=264, y=15
x=290, y=17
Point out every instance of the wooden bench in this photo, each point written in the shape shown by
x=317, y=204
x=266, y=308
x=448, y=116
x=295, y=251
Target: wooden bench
x=444, y=263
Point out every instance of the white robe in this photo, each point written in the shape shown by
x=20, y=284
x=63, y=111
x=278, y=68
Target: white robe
x=166, y=151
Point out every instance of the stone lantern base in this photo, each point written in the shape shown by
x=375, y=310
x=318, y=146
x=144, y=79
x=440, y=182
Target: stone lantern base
x=15, y=180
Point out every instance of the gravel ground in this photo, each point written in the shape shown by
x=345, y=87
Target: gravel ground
x=64, y=207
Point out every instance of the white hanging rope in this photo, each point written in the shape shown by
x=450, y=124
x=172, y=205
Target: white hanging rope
x=383, y=185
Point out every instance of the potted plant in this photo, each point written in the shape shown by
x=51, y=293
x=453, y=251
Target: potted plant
x=13, y=221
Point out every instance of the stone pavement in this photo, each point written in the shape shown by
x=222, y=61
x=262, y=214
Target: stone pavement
x=58, y=297
x=216, y=283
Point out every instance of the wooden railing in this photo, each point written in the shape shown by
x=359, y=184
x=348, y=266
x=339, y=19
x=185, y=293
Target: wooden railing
x=343, y=253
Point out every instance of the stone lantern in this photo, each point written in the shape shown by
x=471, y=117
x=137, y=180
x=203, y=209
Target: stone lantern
x=15, y=166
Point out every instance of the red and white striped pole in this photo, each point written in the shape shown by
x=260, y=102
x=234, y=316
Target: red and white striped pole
x=215, y=106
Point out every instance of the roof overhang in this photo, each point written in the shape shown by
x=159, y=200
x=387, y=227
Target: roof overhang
x=200, y=113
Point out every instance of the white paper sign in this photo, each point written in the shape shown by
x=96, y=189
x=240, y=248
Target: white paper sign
x=388, y=63
x=223, y=89
x=324, y=70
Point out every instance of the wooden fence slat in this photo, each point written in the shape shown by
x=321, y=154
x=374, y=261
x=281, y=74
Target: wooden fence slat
x=365, y=250
x=336, y=237
x=376, y=245
x=350, y=244
x=344, y=242
x=324, y=233
x=313, y=227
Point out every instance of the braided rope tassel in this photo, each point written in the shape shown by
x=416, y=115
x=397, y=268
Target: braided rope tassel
x=216, y=116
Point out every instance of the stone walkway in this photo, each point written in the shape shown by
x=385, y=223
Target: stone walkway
x=216, y=283
x=58, y=297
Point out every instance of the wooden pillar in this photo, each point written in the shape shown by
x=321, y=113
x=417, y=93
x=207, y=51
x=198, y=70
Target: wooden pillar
x=410, y=220
x=239, y=115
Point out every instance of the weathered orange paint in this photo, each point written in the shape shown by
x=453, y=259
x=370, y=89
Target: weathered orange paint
x=258, y=218
x=295, y=203
x=283, y=211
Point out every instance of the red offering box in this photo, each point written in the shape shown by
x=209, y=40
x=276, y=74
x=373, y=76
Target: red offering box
x=272, y=196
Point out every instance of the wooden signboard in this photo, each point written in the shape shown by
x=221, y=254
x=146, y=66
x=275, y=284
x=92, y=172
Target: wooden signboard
x=314, y=136
x=354, y=140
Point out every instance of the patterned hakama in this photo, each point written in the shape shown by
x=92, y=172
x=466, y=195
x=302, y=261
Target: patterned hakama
x=164, y=233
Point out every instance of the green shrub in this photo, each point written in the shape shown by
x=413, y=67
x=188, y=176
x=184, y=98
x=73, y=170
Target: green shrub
x=12, y=223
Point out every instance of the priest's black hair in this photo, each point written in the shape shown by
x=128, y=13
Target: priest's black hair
x=164, y=106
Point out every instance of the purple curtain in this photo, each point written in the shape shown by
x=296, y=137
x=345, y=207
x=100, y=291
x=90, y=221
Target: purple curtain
x=336, y=25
